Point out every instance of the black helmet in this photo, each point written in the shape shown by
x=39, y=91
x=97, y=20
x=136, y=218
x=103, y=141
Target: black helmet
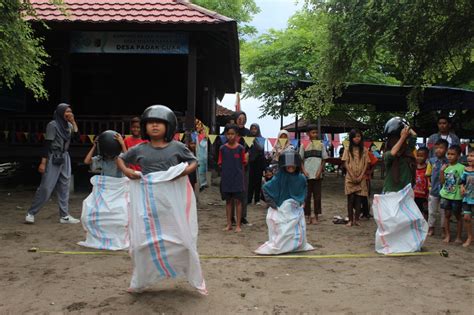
x=163, y=113
x=289, y=158
x=107, y=144
x=394, y=126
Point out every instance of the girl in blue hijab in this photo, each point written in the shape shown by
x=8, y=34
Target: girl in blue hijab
x=288, y=183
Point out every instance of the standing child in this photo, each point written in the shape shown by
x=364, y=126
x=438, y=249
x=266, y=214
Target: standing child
x=356, y=161
x=313, y=160
x=433, y=173
x=134, y=139
x=232, y=161
x=163, y=220
x=467, y=189
x=421, y=181
x=451, y=198
x=193, y=175
x=365, y=209
x=110, y=144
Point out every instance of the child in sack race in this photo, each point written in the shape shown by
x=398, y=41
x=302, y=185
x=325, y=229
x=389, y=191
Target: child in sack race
x=163, y=217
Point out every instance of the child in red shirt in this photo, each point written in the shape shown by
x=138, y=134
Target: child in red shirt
x=134, y=139
x=421, y=181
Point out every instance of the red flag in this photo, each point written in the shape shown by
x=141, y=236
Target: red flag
x=272, y=141
x=463, y=147
x=305, y=142
x=336, y=143
x=237, y=102
x=83, y=138
x=367, y=144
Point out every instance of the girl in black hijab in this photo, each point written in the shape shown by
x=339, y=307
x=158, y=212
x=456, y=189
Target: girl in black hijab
x=256, y=164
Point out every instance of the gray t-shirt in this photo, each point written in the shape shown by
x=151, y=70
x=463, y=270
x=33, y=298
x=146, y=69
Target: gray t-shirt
x=57, y=143
x=105, y=167
x=153, y=159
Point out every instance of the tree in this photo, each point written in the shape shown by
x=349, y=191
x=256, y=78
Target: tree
x=21, y=53
x=240, y=10
x=422, y=42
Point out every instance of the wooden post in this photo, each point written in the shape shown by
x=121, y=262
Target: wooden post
x=191, y=98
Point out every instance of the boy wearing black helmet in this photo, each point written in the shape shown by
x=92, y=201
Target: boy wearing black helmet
x=158, y=126
x=399, y=158
x=109, y=145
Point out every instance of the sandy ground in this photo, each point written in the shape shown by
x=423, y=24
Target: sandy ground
x=54, y=284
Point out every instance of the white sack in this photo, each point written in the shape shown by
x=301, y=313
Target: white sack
x=286, y=230
x=105, y=214
x=401, y=226
x=163, y=230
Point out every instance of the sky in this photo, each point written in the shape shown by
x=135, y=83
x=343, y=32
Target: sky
x=273, y=14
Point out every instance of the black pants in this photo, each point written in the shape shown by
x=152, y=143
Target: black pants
x=255, y=183
x=353, y=203
x=365, y=210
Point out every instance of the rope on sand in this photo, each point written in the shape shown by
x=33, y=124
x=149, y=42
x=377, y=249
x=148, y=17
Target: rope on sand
x=442, y=253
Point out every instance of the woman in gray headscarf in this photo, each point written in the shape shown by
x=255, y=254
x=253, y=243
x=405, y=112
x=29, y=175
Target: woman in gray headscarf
x=55, y=165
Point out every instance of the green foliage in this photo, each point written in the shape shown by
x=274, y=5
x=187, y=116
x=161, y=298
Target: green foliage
x=240, y=10
x=21, y=53
x=419, y=42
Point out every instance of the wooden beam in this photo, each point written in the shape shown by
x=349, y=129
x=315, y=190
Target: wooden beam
x=191, y=90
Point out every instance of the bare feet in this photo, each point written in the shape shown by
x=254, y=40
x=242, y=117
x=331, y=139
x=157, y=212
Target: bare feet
x=356, y=223
x=446, y=239
x=349, y=224
x=228, y=228
x=313, y=221
x=458, y=241
x=430, y=231
x=467, y=242
x=238, y=229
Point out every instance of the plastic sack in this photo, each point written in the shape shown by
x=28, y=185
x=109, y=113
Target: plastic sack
x=286, y=230
x=163, y=230
x=401, y=227
x=105, y=214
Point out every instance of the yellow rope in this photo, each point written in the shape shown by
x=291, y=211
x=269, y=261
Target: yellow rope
x=442, y=253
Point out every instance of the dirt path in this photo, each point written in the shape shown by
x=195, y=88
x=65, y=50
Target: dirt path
x=56, y=284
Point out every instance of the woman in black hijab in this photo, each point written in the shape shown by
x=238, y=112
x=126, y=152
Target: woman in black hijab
x=256, y=164
x=55, y=165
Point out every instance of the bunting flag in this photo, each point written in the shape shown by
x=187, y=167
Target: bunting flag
x=201, y=137
x=294, y=143
x=83, y=138
x=176, y=137
x=317, y=143
x=367, y=144
x=282, y=141
x=378, y=144
x=6, y=132
x=305, y=142
x=471, y=145
x=345, y=143
x=430, y=145
x=206, y=130
x=249, y=141
x=261, y=141
x=223, y=139
x=26, y=135
x=91, y=138
x=336, y=143
x=19, y=136
x=212, y=138
x=463, y=146
x=421, y=145
x=272, y=141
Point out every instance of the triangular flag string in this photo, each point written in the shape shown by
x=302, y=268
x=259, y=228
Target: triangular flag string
x=378, y=145
x=249, y=141
x=6, y=132
x=345, y=143
x=212, y=138
x=282, y=141
x=272, y=141
x=91, y=138
x=223, y=139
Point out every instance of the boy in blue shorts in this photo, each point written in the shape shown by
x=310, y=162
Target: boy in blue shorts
x=467, y=189
x=451, y=198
